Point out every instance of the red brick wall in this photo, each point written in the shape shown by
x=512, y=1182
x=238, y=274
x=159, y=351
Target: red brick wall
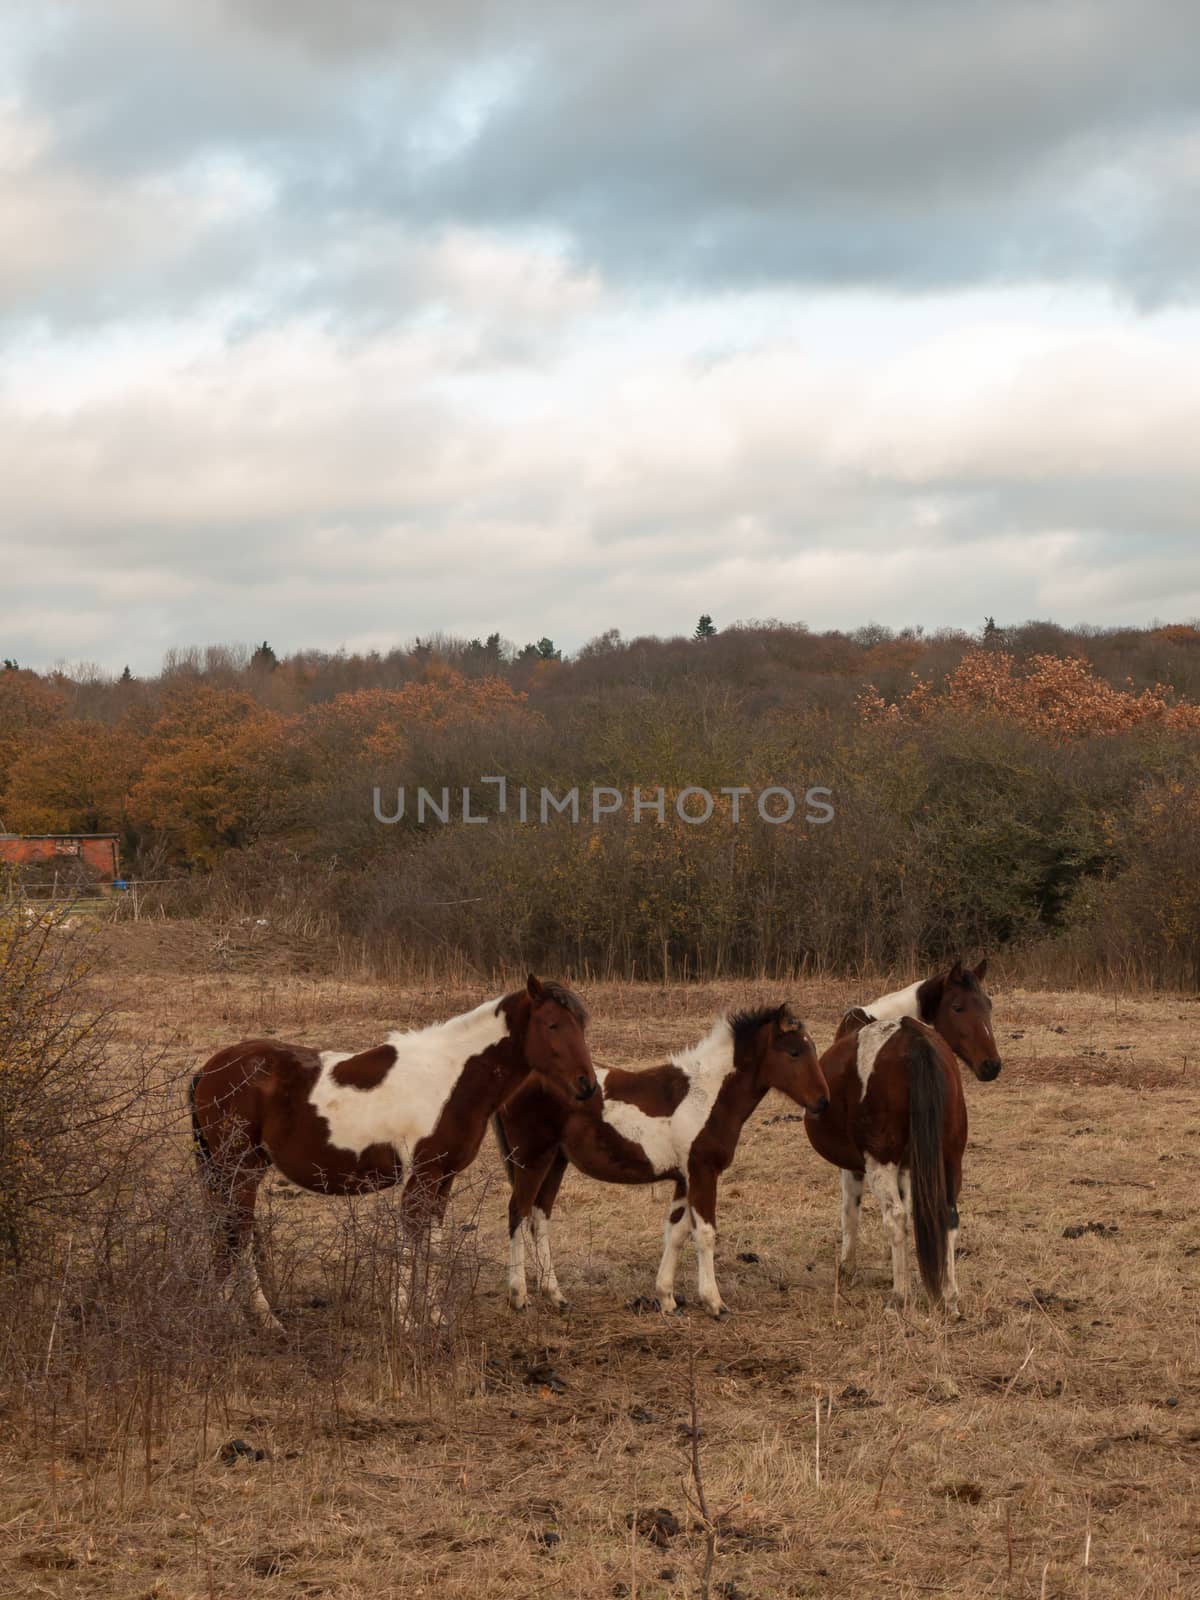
x=100, y=854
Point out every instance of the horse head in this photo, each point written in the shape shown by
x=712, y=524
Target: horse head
x=553, y=1038
x=958, y=1006
x=785, y=1058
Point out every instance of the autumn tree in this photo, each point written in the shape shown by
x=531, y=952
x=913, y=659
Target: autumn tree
x=1055, y=697
x=210, y=781
x=74, y=779
x=29, y=705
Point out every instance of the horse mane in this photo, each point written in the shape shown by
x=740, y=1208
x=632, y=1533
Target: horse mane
x=745, y=1024
x=559, y=993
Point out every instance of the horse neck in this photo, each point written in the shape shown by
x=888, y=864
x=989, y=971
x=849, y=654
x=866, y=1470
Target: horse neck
x=737, y=1099
x=491, y=1077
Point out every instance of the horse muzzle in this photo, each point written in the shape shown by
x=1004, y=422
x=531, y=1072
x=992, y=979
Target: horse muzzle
x=586, y=1090
x=818, y=1106
x=987, y=1070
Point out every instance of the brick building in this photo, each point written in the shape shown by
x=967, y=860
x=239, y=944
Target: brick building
x=98, y=851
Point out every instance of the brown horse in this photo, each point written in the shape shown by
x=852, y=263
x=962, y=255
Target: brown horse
x=680, y=1121
x=898, y=1118
x=412, y=1110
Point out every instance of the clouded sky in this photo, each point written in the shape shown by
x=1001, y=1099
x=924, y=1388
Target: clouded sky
x=335, y=324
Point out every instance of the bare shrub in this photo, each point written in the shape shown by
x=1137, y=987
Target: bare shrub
x=370, y=1300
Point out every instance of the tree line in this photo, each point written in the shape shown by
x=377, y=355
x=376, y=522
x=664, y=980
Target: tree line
x=1030, y=790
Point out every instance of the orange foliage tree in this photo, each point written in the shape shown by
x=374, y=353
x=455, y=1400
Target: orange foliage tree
x=74, y=779
x=1055, y=697
x=211, y=779
x=372, y=722
x=27, y=705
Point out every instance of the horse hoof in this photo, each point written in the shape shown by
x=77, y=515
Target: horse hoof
x=718, y=1313
x=563, y=1307
x=518, y=1306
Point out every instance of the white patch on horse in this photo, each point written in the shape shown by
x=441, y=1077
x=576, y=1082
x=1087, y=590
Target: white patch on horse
x=404, y=1108
x=901, y=1003
x=675, y=1232
x=539, y=1227
x=666, y=1141
x=871, y=1040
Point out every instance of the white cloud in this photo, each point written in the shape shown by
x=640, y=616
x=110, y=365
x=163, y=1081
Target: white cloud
x=347, y=324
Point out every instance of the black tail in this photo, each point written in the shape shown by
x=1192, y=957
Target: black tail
x=931, y=1210
x=204, y=1155
x=505, y=1148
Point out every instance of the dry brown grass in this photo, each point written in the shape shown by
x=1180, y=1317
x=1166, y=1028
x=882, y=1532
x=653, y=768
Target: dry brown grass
x=1048, y=1444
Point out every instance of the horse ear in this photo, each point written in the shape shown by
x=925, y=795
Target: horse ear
x=786, y=1020
x=956, y=971
x=981, y=970
x=534, y=987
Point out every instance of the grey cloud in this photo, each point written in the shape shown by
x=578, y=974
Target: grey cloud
x=911, y=146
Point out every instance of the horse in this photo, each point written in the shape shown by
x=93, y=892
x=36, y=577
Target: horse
x=897, y=1117
x=412, y=1111
x=680, y=1121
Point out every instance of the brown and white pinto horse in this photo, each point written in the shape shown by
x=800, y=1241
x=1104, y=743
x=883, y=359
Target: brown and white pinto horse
x=680, y=1121
x=412, y=1110
x=898, y=1118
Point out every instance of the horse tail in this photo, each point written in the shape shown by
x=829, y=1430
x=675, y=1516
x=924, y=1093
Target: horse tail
x=506, y=1152
x=201, y=1146
x=927, y=1170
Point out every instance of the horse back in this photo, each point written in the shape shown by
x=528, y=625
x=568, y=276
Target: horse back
x=236, y=1089
x=654, y=1091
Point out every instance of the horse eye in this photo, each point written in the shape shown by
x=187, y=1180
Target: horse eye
x=956, y=1008
x=550, y=1027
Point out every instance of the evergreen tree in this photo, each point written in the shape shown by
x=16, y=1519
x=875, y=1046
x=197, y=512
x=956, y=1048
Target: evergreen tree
x=705, y=628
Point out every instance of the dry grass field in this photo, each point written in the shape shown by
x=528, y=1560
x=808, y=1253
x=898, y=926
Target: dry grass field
x=1048, y=1444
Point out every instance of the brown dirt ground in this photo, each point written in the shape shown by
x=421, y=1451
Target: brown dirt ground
x=1046, y=1445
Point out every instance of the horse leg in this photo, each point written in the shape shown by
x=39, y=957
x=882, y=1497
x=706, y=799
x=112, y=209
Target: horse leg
x=885, y=1186
x=675, y=1232
x=436, y=1246
x=953, y=1184
x=539, y=1225
x=904, y=1184
x=242, y=1287
x=526, y=1177
x=852, y=1193
x=423, y=1204
x=702, y=1197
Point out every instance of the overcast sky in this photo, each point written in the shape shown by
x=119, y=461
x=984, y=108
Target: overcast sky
x=335, y=324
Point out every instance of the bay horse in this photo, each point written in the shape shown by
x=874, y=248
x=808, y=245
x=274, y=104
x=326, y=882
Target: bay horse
x=897, y=1117
x=680, y=1121
x=412, y=1111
